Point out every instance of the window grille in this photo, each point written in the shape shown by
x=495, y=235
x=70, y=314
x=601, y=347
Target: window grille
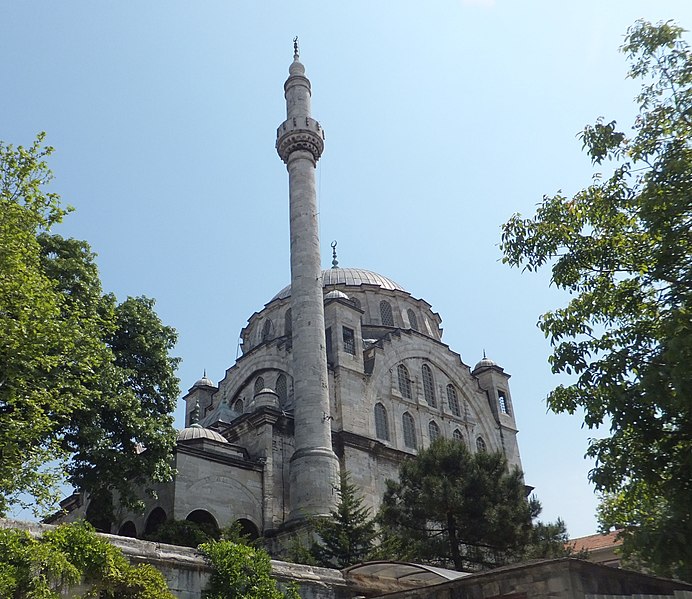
x=429, y=386
x=433, y=430
x=349, y=341
x=381, y=422
x=409, y=430
x=266, y=329
x=457, y=436
x=386, y=314
x=413, y=321
x=259, y=384
x=480, y=444
x=404, y=382
x=502, y=400
x=453, y=400
x=282, y=390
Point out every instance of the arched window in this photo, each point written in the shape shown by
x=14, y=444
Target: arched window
x=288, y=323
x=155, y=519
x=266, y=329
x=502, y=400
x=128, y=529
x=282, y=390
x=433, y=430
x=206, y=521
x=404, y=381
x=457, y=436
x=386, y=314
x=480, y=444
x=453, y=400
x=429, y=386
x=413, y=321
x=409, y=430
x=259, y=384
x=239, y=406
x=248, y=529
x=381, y=422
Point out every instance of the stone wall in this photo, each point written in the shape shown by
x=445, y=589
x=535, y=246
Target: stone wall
x=187, y=574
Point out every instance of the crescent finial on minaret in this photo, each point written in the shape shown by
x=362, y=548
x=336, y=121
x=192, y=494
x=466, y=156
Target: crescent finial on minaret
x=296, y=51
x=335, y=262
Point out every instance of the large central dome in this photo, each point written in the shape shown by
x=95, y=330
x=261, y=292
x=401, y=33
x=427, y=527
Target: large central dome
x=354, y=277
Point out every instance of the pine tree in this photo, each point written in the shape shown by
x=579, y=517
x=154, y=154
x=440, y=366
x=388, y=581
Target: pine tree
x=348, y=535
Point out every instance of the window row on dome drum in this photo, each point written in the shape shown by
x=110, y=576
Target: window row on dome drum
x=267, y=331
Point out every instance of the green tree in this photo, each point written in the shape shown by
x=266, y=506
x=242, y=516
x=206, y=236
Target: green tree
x=47, y=362
x=454, y=508
x=348, y=535
x=241, y=572
x=623, y=248
x=87, y=386
x=550, y=540
x=184, y=533
x=47, y=567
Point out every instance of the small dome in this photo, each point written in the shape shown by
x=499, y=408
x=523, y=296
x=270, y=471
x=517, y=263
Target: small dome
x=195, y=431
x=336, y=294
x=485, y=363
x=350, y=277
x=204, y=382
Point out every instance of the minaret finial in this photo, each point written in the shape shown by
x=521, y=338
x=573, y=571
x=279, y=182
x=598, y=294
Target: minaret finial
x=484, y=356
x=296, y=51
x=335, y=262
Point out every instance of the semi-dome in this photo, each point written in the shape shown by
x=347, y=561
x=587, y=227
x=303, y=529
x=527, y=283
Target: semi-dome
x=349, y=276
x=196, y=431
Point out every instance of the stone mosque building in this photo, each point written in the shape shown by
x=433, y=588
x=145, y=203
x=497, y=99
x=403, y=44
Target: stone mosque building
x=342, y=369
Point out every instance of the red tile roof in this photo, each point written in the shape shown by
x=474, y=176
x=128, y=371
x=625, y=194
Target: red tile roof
x=597, y=541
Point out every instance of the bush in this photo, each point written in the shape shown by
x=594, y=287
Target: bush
x=241, y=572
x=48, y=566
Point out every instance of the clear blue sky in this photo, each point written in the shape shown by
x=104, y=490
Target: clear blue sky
x=442, y=119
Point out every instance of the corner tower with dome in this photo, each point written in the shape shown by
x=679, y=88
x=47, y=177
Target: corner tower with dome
x=341, y=369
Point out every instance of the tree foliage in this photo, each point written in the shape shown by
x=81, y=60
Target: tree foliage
x=69, y=555
x=85, y=383
x=348, y=535
x=623, y=248
x=241, y=572
x=456, y=509
x=184, y=533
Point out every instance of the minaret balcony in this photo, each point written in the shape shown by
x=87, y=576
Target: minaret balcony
x=300, y=133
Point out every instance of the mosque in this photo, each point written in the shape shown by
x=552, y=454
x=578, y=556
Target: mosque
x=342, y=369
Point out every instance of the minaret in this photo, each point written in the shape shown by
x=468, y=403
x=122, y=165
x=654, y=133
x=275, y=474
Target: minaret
x=314, y=466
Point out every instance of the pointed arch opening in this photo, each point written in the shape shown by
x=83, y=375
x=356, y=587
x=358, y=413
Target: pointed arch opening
x=381, y=422
x=453, y=400
x=428, y=386
x=155, y=519
x=409, y=427
x=433, y=430
x=404, y=381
